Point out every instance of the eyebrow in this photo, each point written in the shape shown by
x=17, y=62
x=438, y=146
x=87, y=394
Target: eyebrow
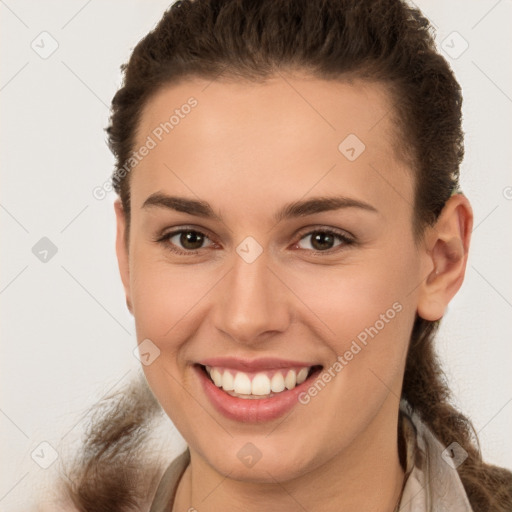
x=289, y=211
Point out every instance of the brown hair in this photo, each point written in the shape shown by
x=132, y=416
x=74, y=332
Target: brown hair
x=385, y=41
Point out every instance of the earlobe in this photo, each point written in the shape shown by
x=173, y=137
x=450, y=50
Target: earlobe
x=122, y=251
x=447, y=245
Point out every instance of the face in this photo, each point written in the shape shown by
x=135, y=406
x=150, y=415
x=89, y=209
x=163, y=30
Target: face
x=235, y=264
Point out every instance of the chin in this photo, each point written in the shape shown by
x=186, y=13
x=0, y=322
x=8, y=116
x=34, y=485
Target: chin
x=249, y=464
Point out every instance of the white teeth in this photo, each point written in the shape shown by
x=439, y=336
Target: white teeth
x=228, y=382
x=290, y=381
x=301, y=376
x=260, y=384
x=277, y=382
x=216, y=377
x=240, y=383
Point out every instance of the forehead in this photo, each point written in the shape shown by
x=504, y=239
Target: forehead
x=290, y=132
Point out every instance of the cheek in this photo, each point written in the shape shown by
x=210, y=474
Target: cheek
x=367, y=312
x=163, y=294
x=366, y=309
x=165, y=302
x=349, y=298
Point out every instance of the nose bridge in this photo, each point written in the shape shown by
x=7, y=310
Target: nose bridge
x=252, y=301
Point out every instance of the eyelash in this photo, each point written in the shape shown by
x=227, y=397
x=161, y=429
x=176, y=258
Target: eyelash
x=346, y=241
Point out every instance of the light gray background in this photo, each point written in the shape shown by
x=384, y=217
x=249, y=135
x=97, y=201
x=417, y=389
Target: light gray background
x=67, y=337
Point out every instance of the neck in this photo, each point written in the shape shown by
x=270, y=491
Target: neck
x=367, y=475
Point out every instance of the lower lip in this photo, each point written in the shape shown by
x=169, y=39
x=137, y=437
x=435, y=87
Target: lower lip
x=255, y=410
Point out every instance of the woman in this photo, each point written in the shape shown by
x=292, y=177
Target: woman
x=290, y=232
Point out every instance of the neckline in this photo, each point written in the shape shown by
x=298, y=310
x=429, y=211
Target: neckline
x=165, y=495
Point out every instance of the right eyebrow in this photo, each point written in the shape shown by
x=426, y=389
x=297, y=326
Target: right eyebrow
x=181, y=204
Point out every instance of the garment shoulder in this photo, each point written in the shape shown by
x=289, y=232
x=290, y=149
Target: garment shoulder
x=165, y=493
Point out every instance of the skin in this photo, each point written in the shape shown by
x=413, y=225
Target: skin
x=247, y=149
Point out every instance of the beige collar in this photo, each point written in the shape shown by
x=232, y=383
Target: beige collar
x=431, y=481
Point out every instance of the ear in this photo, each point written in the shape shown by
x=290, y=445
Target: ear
x=122, y=251
x=447, y=245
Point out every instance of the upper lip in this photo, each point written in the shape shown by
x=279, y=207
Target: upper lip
x=263, y=363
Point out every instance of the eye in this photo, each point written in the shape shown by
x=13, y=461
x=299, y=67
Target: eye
x=189, y=241
x=184, y=241
x=323, y=240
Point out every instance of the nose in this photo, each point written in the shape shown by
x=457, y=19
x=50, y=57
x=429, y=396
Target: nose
x=252, y=303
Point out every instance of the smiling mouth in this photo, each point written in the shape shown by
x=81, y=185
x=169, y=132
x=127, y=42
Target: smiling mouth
x=258, y=385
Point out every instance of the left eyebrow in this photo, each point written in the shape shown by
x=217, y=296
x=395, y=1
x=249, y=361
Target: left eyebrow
x=288, y=211
x=319, y=205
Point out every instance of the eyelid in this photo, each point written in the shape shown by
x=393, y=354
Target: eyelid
x=326, y=229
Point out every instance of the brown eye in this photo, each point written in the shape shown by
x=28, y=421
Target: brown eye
x=325, y=240
x=185, y=241
x=191, y=240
